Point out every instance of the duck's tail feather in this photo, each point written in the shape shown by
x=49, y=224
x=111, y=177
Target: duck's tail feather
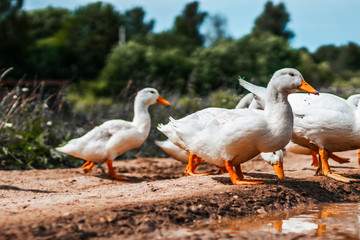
x=258, y=92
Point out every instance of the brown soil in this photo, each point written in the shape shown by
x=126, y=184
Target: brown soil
x=159, y=203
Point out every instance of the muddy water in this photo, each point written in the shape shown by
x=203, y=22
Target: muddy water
x=333, y=221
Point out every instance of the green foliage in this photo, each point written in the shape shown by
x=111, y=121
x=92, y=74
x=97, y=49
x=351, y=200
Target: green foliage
x=50, y=59
x=252, y=56
x=316, y=74
x=8, y=8
x=14, y=44
x=216, y=29
x=215, y=67
x=224, y=98
x=273, y=20
x=144, y=65
x=188, y=23
x=343, y=60
x=135, y=25
x=90, y=34
x=46, y=22
x=168, y=40
x=30, y=131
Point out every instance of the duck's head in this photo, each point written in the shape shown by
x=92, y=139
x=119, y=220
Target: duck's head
x=150, y=96
x=290, y=80
x=275, y=159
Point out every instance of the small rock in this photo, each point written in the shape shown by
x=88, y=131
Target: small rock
x=66, y=214
x=261, y=210
x=111, y=217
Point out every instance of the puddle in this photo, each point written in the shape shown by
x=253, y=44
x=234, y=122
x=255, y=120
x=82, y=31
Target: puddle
x=333, y=221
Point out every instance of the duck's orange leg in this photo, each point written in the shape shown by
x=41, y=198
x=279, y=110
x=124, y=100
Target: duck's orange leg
x=221, y=170
x=324, y=168
x=315, y=161
x=193, y=163
x=333, y=156
x=338, y=159
x=112, y=173
x=235, y=179
x=239, y=172
x=87, y=166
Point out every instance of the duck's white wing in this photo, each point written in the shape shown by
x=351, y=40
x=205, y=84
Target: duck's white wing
x=217, y=139
x=92, y=146
x=320, y=121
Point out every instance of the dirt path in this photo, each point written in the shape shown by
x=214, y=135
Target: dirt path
x=159, y=202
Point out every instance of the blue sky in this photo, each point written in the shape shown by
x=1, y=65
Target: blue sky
x=314, y=22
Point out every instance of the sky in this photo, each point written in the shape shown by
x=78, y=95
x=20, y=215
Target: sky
x=314, y=22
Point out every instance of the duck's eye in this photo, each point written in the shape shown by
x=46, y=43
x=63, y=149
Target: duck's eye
x=152, y=92
x=292, y=74
x=274, y=153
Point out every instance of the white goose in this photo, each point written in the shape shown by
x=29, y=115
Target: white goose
x=115, y=137
x=237, y=135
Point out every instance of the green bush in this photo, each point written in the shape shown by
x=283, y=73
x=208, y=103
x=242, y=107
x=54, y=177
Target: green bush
x=30, y=131
x=143, y=66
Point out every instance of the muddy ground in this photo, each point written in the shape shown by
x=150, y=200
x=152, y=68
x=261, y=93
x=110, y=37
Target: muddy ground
x=159, y=202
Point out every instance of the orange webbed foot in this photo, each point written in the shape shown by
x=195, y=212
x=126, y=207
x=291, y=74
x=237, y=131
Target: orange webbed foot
x=237, y=177
x=324, y=168
x=87, y=166
x=193, y=163
x=112, y=173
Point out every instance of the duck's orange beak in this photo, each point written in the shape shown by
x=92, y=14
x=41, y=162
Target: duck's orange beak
x=279, y=170
x=161, y=100
x=305, y=87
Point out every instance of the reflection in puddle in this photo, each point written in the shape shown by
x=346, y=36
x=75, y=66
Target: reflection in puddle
x=336, y=221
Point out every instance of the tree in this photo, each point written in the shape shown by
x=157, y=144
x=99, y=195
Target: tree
x=189, y=22
x=9, y=7
x=135, y=25
x=349, y=57
x=216, y=29
x=342, y=59
x=250, y=57
x=90, y=34
x=14, y=44
x=144, y=65
x=273, y=20
x=326, y=53
x=47, y=22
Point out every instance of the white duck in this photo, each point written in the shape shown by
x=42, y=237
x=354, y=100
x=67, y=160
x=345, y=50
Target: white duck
x=324, y=124
x=275, y=159
x=173, y=150
x=115, y=137
x=354, y=99
x=257, y=100
x=235, y=136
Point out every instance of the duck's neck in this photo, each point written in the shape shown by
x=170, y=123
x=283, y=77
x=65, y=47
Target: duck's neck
x=279, y=114
x=141, y=117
